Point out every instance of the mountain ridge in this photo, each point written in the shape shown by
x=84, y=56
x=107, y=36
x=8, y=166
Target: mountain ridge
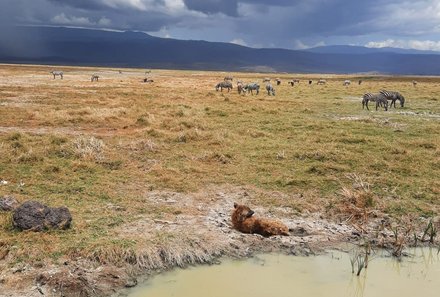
x=73, y=46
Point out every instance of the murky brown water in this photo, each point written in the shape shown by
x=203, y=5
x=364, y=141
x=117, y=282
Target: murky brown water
x=278, y=276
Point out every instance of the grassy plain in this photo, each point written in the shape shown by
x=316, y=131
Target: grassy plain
x=98, y=147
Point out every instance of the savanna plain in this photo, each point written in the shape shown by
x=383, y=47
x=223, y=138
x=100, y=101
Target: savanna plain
x=150, y=171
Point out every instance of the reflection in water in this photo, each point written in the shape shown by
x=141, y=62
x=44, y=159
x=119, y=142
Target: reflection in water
x=286, y=276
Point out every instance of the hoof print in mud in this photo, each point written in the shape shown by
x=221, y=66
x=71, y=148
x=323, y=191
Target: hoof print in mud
x=34, y=216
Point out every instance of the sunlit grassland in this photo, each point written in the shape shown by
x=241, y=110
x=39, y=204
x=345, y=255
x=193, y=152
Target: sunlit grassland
x=179, y=134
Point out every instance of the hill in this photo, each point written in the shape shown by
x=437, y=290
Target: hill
x=73, y=46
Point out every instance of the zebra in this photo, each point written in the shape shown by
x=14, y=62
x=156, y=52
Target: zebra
x=321, y=82
x=393, y=96
x=347, y=82
x=379, y=98
x=57, y=73
x=223, y=85
x=360, y=82
x=266, y=79
x=240, y=87
x=147, y=71
x=293, y=82
x=228, y=77
x=414, y=82
x=251, y=87
x=94, y=77
x=270, y=90
x=278, y=81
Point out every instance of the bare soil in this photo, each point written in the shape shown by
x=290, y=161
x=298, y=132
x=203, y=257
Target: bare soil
x=205, y=237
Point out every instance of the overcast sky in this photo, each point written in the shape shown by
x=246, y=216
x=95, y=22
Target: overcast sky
x=293, y=24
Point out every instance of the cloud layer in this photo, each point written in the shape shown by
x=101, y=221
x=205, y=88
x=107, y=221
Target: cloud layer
x=265, y=23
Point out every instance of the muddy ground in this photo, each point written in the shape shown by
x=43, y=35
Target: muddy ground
x=206, y=237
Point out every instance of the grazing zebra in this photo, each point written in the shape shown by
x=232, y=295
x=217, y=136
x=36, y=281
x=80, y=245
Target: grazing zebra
x=251, y=87
x=293, y=82
x=223, y=85
x=120, y=71
x=270, y=90
x=266, y=79
x=347, y=82
x=94, y=77
x=278, y=81
x=380, y=100
x=360, y=82
x=310, y=82
x=240, y=87
x=228, y=78
x=321, y=82
x=57, y=73
x=393, y=96
x=414, y=82
x=147, y=71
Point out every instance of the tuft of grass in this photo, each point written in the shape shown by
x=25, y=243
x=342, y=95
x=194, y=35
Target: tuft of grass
x=90, y=148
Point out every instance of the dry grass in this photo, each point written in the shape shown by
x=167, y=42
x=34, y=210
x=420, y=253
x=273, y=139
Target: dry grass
x=179, y=134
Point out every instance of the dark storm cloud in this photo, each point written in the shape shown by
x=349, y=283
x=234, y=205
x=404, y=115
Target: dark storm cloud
x=228, y=7
x=83, y=4
x=255, y=22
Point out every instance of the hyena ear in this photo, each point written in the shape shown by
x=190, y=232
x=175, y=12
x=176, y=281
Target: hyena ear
x=235, y=204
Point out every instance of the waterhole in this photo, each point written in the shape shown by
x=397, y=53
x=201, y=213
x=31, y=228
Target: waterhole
x=327, y=275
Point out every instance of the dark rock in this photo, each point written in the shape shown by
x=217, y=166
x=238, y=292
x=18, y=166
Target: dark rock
x=34, y=216
x=8, y=203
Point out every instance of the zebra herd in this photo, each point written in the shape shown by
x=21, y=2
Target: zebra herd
x=382, y=98
x=244, y=88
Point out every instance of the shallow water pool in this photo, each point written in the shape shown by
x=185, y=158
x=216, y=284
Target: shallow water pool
x=286, y=276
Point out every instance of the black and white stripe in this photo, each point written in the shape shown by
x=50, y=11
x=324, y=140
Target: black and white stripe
x=270, y=90
x=57, y=73
x=240, y=87
x=252, y=87
x=379, y=98
x=228, y=77
x=393, y=96
x=223, y=85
